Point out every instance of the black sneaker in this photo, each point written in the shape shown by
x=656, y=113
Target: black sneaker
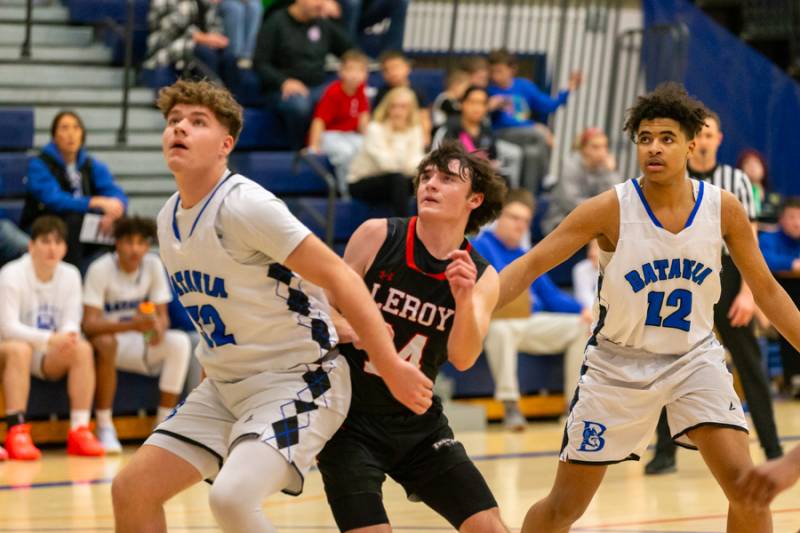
x=660, y=464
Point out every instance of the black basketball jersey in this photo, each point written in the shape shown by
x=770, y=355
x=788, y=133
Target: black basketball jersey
x=411, y=290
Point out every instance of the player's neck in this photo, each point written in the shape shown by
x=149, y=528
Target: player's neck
x=194, y=186
x=665, y=193
x=44, y=273
x=440, y=238
x=702, y=164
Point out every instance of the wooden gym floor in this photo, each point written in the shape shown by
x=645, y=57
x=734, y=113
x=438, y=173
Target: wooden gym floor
x=61, y=493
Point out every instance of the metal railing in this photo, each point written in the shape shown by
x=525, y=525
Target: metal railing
x=25, y=51
x=122, y=134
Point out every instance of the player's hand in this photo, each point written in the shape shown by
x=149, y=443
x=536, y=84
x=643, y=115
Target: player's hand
x=356, y=340
x=63, y=343
x=575, y=80
x=409, y=386
x=158, y=333
x=762, y=483
x=586, y=316
x=742, y=309
x=143, y=323
x=461, y=273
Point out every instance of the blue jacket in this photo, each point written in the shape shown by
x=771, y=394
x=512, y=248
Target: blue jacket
x=44, y=187
x=545, y=295
x=525, y=99
x=779, y=250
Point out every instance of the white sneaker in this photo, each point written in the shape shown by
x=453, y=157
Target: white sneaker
x=108, y=439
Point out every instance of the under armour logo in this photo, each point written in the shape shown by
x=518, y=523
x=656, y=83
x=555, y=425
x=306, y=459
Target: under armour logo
x=731, y=407
x=592, y=437
x=386, y=276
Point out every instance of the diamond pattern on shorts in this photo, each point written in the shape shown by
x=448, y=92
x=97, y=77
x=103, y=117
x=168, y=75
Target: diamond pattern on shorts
x=286, y=432
x=318, y=382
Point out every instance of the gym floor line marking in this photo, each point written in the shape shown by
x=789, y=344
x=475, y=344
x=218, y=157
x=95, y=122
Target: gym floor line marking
x=655, y=521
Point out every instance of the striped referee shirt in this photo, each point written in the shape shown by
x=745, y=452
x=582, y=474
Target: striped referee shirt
x=732, y=180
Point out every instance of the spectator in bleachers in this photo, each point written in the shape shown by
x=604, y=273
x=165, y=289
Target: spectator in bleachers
x=182, y=31
x=752, y=163
x=781, y=250
x=478, y=69
x=13, y=241
x=341, y=117
x=587, y=171
x=370, y=17
x=393, y=147
x=544, y=320
x=40, y=317
x=242, y=20
x=290, y=58
x=585, y=276
x=64, y=180
x=447, y=106
x=125, y=338
x=396, y=69
x=515, y=119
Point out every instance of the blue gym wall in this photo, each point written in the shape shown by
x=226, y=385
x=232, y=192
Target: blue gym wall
x=758, y=104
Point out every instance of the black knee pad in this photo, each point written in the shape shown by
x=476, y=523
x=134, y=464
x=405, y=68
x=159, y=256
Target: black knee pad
x=458, y=494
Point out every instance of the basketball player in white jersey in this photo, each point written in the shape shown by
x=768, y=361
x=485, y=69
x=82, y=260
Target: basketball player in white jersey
x=116, y=285
x=40, y=320
x=660, y=237
x=276, y=389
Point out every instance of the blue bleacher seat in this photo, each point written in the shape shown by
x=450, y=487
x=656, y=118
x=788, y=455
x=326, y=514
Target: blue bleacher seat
x=11, y=210
x=349, y=214
x=159, y=77
x=16, y=132
x=13, y=168
x=95, y=11
x=536, y=373
x=275, y=171
x=262, y=130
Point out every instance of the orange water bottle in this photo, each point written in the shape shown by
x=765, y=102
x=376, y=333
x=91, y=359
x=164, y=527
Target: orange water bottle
x=148, y=310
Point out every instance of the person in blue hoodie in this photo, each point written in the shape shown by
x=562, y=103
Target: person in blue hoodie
x=65, y=181
x=545, y=320
x=781, y=250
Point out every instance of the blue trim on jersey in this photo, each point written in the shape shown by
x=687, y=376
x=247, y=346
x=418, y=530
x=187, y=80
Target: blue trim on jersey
x=696, y=205
x=175, y=228
x=653, y=216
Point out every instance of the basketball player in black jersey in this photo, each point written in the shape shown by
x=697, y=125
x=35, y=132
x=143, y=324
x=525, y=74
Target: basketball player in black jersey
x=436, y=294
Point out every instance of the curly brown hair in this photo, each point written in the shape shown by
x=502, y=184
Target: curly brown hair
x=135, y=225
x=481, y=174
x=668, y=100
x=203, y=93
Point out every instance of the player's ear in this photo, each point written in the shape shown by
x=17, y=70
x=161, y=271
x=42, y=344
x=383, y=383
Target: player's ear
x=227, y=146
x=691, y=147
x=475, y=200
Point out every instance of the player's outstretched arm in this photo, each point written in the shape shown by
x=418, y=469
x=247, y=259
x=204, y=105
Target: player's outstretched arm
x=769, y=295
x=475, y=300
x=318, y=264
x=596, y=217
x=762, y=483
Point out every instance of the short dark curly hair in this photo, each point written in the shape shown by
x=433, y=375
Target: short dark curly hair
x=479, y=171
x=668, y=100
x=135, y=225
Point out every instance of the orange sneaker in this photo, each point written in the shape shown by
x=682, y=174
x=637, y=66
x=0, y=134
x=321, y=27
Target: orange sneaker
x=3, y=454
x=19, y=444
x=81, y=441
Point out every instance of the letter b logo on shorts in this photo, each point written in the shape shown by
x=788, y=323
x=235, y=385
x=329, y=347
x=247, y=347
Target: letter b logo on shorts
x=592, y=437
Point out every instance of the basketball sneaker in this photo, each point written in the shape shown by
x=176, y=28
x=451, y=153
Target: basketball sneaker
x=107, y=436
x=81, y=441
x=19, y=444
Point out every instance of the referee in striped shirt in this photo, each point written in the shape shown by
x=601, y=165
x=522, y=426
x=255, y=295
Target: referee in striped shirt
x=733, y=313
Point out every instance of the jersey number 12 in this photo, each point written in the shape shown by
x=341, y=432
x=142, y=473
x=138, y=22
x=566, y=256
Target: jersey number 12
x=680, y=298
x=206, y=316
x=411, y=352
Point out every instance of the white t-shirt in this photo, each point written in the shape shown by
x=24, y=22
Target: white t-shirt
x=584, y=282
x=119, y=293
x=30, y=310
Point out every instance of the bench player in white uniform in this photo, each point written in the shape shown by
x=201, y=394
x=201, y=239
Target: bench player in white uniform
x=115, y=285
x=276, y=389
x=40, y=320
x=653, y=346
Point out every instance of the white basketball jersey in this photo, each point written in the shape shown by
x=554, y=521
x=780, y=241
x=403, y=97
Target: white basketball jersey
x=657, y=290
x=253, y=318
x=119, y=293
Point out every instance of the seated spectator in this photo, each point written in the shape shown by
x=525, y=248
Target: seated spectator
x=585, y=276
x=242, y=20
x=185, y=32
x=587, y=171
x=447, y=105
x=341, y=117
x=13, y=241
x=64, y=180
x=515, y=117
x=396, y=69
x=781, y=250
x=767, y=203
x=290, y=58
x=544, y=320
x=370, y=17
x=123, y=337
x=471, y=128
x=477, y=67
x=393, y=147
x=40, y=317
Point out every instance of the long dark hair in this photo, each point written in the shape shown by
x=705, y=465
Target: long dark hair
x=68, y=113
